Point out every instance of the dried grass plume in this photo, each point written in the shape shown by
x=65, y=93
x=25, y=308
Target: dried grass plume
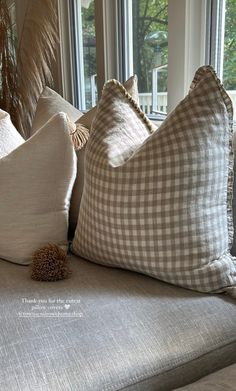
x=8, y=75
x=27, y=69
x=35, y=55
x=50, y=263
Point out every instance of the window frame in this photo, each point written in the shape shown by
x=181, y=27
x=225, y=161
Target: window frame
x=190, y=44
x=216, y=11
x=186, y=45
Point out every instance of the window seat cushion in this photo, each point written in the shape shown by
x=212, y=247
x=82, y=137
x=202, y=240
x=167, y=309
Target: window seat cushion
x=128, y=332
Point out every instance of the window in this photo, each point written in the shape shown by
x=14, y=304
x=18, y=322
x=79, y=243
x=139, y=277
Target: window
x=222, y=43
x=84, y=50
x=229, y=56
x=162, y=41
x=143, y=50
x=150, y=53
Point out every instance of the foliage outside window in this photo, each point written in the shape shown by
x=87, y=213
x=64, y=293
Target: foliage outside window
x=229, y=65
x=229, y=74
x=149, y=21
x=150, y=26
x=89, y=53
x=150, y=48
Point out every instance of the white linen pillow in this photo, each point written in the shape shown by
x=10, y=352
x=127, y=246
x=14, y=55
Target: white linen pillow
x=9, y=137
x=36, y=184
x=49, y=104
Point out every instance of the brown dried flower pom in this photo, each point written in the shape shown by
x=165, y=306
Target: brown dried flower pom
x=50, y=263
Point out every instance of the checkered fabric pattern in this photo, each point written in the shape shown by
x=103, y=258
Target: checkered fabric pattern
x=160, y=203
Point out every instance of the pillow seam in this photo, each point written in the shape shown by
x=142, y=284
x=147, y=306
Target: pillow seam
x=230, y=173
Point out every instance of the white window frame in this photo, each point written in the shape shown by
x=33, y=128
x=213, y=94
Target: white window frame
x=187, y=37
x=125, y=39
x=188, y=43
x=106, y=25
x=217, y=33
x=65, y=88
x=77, y=55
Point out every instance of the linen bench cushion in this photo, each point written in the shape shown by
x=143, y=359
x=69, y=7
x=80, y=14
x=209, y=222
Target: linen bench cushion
x=223, y=380
x=136, y=333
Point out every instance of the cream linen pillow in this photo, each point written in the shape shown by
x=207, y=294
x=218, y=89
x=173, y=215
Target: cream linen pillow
x=9, y=137
x=50, y=103
x=160, y=204
x=36, y=184
x=86, y=120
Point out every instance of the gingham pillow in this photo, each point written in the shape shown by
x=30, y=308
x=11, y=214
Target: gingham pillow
x=160, y=204
x=131, y=85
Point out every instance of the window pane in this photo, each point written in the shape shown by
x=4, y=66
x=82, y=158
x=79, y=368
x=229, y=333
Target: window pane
x=229, y=69
x=89, y=52
x=150, y=48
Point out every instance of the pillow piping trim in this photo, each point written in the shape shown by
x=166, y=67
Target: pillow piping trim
x=133, y=103
x=229, y=107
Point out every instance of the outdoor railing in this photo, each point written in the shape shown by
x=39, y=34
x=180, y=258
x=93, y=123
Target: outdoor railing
x=145, y=100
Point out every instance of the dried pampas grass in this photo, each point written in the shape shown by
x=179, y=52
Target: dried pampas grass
x=35, y=55
x=24, y=73
x=8, y=74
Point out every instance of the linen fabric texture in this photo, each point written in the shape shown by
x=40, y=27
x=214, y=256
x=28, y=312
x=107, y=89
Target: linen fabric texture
x=123, y=331
x=49, y=104
x=160, y=204
x=233, y=249
x=86, y=120
x=131, y=85
x=36, y=184
x=225, y=379
x=9, y=137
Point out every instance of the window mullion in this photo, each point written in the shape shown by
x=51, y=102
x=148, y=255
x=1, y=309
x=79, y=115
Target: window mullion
x=106, y=41
x=65, y=52
x=125, y=39
x=186, y=45
x=217, y=29
x=77, y=52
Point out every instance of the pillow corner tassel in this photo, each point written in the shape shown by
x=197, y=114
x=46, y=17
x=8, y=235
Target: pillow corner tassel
x=79, y=135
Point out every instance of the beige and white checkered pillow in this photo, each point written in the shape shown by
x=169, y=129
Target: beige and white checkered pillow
x=160, y=203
